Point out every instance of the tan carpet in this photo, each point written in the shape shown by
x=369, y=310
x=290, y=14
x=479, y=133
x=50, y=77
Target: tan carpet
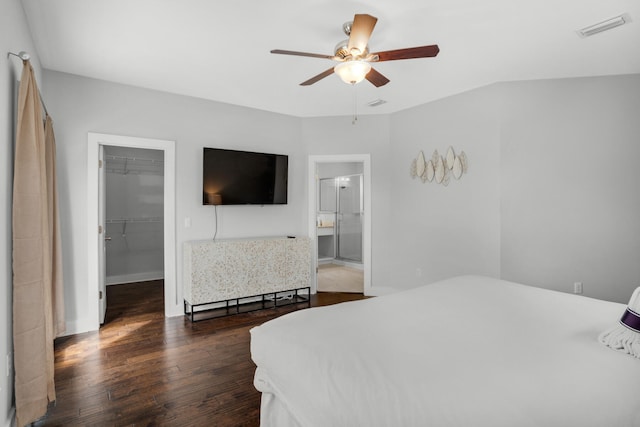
x=338, y=278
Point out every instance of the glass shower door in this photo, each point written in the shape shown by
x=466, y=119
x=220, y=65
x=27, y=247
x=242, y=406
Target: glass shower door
x=349, y=218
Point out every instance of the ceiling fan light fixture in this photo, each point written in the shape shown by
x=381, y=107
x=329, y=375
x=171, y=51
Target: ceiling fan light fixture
x=352, y=72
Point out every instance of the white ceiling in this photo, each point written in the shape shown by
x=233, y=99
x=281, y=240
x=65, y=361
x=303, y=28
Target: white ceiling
x=219, y=50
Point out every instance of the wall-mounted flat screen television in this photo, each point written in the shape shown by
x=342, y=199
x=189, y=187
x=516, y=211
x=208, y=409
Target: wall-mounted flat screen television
x=231, y=177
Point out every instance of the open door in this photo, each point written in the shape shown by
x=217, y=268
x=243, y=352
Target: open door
x=96, y=274
x=102, y=238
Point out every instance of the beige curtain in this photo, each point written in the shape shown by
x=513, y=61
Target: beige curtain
x=38, y=313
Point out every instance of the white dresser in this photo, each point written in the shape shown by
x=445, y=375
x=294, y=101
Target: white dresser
x=229, y=270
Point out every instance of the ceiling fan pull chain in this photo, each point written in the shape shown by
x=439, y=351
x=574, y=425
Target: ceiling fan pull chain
x=355, y=104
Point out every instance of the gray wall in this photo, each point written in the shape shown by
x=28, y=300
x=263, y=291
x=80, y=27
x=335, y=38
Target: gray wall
x=14, y=37
x=80, y=105
x=570, y=208
x=551, y=194
x=442, y=231
x=421, y=232
x=370, y=135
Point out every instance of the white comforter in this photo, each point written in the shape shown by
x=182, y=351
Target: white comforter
x=468, y=351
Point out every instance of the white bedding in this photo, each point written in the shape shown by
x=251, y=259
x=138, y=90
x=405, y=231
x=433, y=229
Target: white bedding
x=468, y=351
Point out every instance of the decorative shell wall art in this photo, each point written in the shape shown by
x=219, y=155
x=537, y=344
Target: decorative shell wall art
x=421, y=165
x=439, y=169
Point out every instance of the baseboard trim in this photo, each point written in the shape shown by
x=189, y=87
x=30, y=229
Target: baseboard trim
x=136, y=277
x=11, y=418
x=356, y=265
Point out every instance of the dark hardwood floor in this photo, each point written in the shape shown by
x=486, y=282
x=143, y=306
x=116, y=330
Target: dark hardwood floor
x=142, y=369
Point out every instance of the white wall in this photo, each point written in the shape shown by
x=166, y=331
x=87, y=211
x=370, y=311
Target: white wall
x=439, y=231
x=14, y=37
x=80, y=105
x=570, y=199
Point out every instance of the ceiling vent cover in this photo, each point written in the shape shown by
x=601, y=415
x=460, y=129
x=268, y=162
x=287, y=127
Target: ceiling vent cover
x=604, y=25
x=376, y=102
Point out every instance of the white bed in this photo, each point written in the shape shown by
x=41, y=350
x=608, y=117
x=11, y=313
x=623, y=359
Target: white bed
x=468, y=351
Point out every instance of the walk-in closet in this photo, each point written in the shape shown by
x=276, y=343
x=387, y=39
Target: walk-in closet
x=134, y=195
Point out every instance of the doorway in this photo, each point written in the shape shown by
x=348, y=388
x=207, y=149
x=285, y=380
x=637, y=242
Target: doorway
x=339, y=221
x=97, y=222
x=134, y=205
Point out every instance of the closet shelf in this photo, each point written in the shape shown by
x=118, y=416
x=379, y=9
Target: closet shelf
x=133, y=172
x=132, y=220
x=133, y=165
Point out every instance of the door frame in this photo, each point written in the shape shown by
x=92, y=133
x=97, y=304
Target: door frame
x=95, y=140
x=365, y=159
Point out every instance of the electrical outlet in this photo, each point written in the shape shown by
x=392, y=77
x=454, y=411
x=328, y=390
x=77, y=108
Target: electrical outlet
x=418, y=272
x=577, y=287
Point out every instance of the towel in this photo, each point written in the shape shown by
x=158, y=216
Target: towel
x=625, y=337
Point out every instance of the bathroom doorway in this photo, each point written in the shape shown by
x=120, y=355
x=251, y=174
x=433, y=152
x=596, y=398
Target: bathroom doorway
x=341, y=224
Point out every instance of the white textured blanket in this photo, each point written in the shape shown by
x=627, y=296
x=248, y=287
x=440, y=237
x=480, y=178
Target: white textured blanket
x=469, y=351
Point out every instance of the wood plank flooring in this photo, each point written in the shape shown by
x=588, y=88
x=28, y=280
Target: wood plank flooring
x=142, y=369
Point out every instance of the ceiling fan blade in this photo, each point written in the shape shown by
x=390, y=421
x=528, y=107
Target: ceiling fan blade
x=317, y=78
x=292, y=52
x=361, y=30
x=376, y=78
x=408, y=53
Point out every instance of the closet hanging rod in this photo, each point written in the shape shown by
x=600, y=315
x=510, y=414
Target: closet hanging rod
x=25, y=57
x=133, y=159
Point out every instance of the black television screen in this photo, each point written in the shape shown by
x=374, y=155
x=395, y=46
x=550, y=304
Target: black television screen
x=231, y=177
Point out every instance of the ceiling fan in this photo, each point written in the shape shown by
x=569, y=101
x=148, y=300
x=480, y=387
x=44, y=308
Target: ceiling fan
x=354, y=57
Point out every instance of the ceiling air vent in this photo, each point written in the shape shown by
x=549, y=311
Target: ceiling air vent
x=604, y=25
x=376, y=102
